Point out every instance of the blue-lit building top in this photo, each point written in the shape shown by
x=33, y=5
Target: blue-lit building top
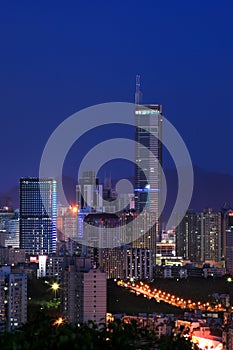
x=38, y=211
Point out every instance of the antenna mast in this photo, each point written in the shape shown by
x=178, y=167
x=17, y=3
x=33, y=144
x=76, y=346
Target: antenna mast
x=138, y=93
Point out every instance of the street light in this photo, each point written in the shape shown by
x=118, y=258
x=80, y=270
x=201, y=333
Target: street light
x=55, y=286
x=59, y=321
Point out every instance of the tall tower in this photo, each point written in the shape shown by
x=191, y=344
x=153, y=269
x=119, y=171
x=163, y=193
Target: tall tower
x=38, y=217
x=148, y=175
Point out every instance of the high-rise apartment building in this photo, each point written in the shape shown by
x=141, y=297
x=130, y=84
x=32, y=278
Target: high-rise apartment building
x=188, y=237
x=13, y=299
x=227, y=227
x=83, y=292
x=198, y=236
x=38, y=215
x=113, y=261
x=211, y=235
x=139, y=264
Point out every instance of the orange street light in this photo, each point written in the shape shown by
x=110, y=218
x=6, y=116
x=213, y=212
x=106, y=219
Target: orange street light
x=59, y=321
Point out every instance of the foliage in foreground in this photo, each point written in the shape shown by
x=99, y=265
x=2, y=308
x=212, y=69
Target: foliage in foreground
x=42, y=334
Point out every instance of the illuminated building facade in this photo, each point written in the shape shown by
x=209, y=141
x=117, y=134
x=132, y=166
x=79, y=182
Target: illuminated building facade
x=139, y=264
x=146, y=229
x=199, y=235
x=113, y=261
x=148, y=175
x=89, y=193
x=228, y=240
x=67, y=223
x=13, y=299
x=9, y=227
x=83, y=292
x=38, y=214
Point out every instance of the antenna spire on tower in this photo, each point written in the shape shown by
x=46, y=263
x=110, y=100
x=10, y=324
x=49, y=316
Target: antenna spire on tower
x=138, y=93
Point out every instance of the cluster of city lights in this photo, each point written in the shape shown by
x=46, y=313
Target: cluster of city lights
x=159, y=295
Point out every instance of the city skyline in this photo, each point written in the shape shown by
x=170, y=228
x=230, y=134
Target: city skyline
x=116, y=198
x=183, y=66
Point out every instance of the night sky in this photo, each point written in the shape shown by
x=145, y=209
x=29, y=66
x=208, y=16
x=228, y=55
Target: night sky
x=58, y=57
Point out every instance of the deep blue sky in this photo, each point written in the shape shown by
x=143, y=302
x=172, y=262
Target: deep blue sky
x=58, y=57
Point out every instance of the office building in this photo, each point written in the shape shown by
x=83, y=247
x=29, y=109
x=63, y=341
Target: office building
x=9, y=227
x=89, y=193
x=38, y=216
x=148, y=161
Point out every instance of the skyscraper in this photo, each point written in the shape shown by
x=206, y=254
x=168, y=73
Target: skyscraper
x=148, y=158
x=38, y=215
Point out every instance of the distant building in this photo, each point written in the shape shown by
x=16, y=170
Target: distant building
x=198, y=236
x=227, y=227
x=4, y=256
x=11, y=256
x=50, y=266
x=38, y=216
x=83, y=292
x=227, y=338
x=67, y=223
x=13, y=299
x=188, y=237
x=102, y=230
x=9, y=227
x=139, y=264
x=200, y=334
x=145, y=229
x=175, y=272
x=148, y=174
x=159, y=324
x=89, y=192
x=113, y=262
x=54, y=267
x=12, y=234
